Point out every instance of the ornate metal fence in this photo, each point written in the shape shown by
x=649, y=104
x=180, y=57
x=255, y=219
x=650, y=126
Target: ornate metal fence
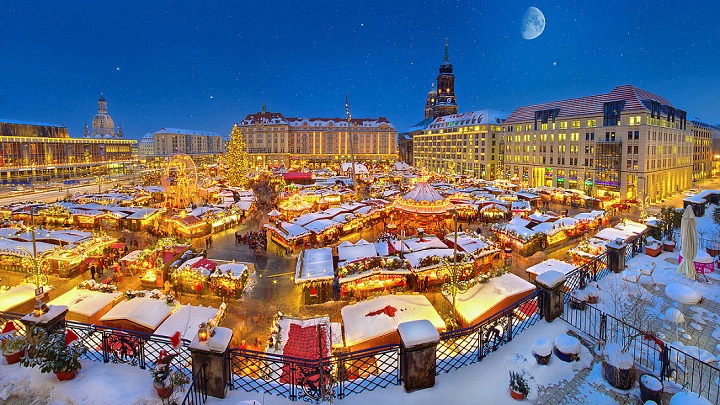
x=461, y=347
x=197, y=392
x=650, y=353
x=5, y=317
x=110, y=345
x=592, y=270
x=634, y=247
x=316, y=379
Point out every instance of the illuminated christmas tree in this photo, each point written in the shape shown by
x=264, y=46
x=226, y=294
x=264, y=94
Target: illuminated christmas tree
x=237, y=160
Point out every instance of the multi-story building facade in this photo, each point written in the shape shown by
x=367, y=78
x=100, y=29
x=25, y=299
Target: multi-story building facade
x=702, y=149
x=32, y=151
x=628, y=143
x=460, y=144
x=273, y=139
x=171, y=141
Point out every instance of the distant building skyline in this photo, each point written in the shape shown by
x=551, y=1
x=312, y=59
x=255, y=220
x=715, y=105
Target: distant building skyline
x=194, y=66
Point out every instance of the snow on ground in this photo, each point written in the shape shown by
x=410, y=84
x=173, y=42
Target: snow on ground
x=99, y=383
x=486, y=379
x=96, y=383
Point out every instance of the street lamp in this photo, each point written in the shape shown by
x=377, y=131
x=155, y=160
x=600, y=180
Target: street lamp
x=99, y=180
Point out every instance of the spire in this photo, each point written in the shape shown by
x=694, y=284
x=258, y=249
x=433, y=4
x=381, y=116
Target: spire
x=86, y=132
x=447, y=54
x=264, y=108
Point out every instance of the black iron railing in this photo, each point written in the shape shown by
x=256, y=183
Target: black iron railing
x=649, y=353
x=589, y=271
x=6, y=317
x=197, y=392
x=314, y=380
x=111, y=345
x=458, y=348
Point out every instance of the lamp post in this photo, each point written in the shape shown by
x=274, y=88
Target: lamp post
x=99, y=181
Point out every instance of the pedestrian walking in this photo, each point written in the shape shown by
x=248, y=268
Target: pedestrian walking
x=92, y=271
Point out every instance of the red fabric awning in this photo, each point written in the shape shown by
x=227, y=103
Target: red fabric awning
x=205, y=264
x=117, y=245
x=297, y=176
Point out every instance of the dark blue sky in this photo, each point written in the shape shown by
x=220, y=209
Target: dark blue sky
x=206, y=64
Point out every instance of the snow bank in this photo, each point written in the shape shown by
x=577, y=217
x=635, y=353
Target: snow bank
x=651, y=382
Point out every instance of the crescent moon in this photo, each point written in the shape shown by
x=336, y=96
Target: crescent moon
x=533, y=23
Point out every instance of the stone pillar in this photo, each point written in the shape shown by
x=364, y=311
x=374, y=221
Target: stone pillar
x=552, y=284
x=51, y=320
x=616, y=255
x=214, y=352
x=419, y=341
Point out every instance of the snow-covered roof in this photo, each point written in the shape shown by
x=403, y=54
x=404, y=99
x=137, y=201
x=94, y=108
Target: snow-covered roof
x=132, y=256
x=144, y=311
x=184, y=132
x=415, y=257
x=357, y=251
x=551, y=264
x=186, y=320
x=630, y=226
x=361, y=326
x=314, y=265
x=427, y=242
x=468, y=243
x=320, y=225
x=610, y=234
x=589, y=216
x=85, y=302
x=13, y=246
x=470, y=118
x=288, y=230
x=482, y=297
x=18, y=295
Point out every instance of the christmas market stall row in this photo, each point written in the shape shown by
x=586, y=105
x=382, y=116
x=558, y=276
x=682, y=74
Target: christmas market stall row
x=153, y=262
x=541, y=231
x=361, y=270
x=62, y=252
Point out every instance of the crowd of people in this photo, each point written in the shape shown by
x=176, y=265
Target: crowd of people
x=256, y=240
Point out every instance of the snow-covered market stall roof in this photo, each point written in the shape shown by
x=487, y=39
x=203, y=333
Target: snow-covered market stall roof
x=186, y=319
x=415, y=258
x=288, y=231
x=471, y=243
x=314, y=265
x=426, y=242
x=361, y=250
x=381, y=316
x=482, y=299
x=550, y=264
x=423, y=199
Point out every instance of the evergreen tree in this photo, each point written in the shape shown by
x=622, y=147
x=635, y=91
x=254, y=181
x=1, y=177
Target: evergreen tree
x=237, y=160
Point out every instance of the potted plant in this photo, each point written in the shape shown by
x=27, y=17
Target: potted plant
x=161, y=375
x=56, y=352
x=592, y=293
x=13, y=348
x=519, y=387
x=542, y=350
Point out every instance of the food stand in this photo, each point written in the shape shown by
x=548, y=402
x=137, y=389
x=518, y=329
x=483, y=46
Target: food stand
x=314, y=272
x=483, y=300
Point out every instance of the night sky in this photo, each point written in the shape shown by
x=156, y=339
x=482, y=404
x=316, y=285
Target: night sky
x=206, y=64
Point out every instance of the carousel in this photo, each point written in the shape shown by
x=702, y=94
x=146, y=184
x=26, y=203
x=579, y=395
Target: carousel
x=295, y=206
x=422, y=207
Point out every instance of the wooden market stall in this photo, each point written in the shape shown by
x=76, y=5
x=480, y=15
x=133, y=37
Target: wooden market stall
x=187, y=318
x=374, y=322
x=315, y=272
x=290, y=237
x=362, y=271
x=142, y=314
x=89, y=301
x=20, y=298
x=483, y=300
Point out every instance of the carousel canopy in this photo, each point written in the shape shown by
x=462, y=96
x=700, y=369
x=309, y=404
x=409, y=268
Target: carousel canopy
x=295, y=203
x=423, y=199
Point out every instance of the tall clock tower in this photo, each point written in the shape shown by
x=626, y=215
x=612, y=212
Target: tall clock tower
x=446, y=103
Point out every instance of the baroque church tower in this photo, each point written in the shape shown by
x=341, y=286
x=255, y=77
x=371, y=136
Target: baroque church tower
x=430, y=101
x=446, y=102
x=103, y=125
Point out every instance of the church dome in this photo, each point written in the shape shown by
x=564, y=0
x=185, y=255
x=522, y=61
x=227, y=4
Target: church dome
x=446, y=67
x=103, y=124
